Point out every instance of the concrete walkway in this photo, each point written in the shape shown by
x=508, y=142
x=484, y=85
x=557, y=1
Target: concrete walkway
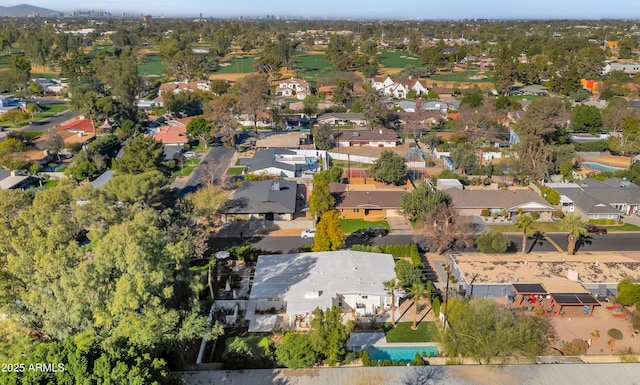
x=400, y=225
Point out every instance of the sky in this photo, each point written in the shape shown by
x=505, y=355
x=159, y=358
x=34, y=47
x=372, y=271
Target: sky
x=371, y=9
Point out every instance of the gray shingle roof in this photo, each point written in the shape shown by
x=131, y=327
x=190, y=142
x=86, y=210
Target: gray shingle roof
x=595, y=197
x=259, y=197
x=494, y=199
x=267, y=158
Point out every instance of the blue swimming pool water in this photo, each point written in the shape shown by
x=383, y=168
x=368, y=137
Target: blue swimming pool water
x=600, y=167
x=399, y=353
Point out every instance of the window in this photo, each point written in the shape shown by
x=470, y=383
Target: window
x=365, y=297
x=356, y=210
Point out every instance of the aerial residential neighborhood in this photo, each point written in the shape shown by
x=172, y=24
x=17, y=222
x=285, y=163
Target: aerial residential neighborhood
x=208, y=198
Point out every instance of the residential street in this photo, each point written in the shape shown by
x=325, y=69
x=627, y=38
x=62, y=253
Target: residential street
x=285, y=244
x=219, y=157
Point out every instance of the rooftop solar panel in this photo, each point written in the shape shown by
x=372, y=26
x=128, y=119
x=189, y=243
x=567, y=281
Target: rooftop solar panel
x=587, y=298
x=529, y=288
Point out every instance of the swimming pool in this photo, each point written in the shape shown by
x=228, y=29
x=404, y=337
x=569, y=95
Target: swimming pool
x=399, y=353
x=600, y=167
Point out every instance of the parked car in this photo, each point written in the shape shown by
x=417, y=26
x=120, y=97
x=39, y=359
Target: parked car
x=371, y=232
x=190, y=154
x=308, y=233
x=594, y=229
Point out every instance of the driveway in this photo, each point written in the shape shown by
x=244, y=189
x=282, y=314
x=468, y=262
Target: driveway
x=400, y=225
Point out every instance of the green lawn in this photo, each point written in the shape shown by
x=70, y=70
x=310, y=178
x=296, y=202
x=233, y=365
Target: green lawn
x=150, y=66
x=50, y=110
x=427, y=332
x=235, y=170
x=552, y=227
x=398, y=59
x=308, y=66
x=256, y=343
x=239, y=65
x=463, y=76
x=624, y=227
x=351, y=225
x=189, y=166
x=547, y=227
x=51, y=183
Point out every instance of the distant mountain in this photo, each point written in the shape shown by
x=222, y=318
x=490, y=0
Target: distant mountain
x=24, y=10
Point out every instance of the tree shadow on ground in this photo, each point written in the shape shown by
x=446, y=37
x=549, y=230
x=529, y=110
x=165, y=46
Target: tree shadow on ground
x=422, y=375
x=583, y=240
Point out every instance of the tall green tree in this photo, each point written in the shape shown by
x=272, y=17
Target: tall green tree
x=492, y=242
x=586, y=119
x=329, y=234
x=295, y=351
x=389, y=168
x=252, y=91
x=575, y=226
x=321, y=199
x=199, y=128
x=421, y=200
x=417, y=291
x=323, y=137
x=391, y=286
x=141, y=154
x=525, y=223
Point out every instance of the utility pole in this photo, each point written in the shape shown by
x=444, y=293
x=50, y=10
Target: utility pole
x=446, y=297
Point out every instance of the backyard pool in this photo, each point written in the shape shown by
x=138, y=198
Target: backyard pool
x=600, y=167
x=399, y=353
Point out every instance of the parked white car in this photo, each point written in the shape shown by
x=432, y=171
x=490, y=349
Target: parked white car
x=308, y=233
x=190, y=154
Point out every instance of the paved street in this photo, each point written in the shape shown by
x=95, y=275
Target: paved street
x=219, y=157
x=285, y=244
x=46, y=124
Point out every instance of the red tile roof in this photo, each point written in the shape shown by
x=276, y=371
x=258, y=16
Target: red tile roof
x=78, y=125
x=172, y=134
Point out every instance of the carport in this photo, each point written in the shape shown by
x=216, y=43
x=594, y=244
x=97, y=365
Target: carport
x=585, y=300
x=529, y=290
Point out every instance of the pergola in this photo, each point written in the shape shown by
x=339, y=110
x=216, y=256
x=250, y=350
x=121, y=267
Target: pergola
x=529, y=289
x=574, y=299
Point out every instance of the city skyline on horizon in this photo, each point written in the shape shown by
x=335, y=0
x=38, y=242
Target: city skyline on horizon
x=357, y=9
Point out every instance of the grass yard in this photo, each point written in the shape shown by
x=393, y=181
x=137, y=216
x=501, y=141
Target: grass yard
x=398, y=59
x=352, y=225
x=51, y=183
x=624, y=227
x=259, y=345
x=151, y=65
x=463, y=76
x=235, y=170
x=427, y=332
x=243, y=65
x=189, y=166
x=344, y=164
x=50, y=110
x=310, y=65
x=546, y=227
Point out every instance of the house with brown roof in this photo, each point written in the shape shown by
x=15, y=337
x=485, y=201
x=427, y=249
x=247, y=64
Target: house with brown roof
x=379, y=138
x=443, y=92
x=369, y=202
x=469, y=202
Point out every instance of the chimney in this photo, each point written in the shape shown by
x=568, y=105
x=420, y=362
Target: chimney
x=275, y=186
x=380, y=131
x=14, y=173
x=79, y=134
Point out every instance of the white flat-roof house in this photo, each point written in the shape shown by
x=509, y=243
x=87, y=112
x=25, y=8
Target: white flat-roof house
x=297, y=284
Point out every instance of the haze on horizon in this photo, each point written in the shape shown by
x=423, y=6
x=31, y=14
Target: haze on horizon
x=358, y=9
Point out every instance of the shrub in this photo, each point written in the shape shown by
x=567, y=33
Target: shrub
x=366, y=360
x=551, y=195
x=492, y=241
x=615, y=334
x=577, y=347
x=417, y=360
x=485, y=212
x=559, y=214
x=535, y=215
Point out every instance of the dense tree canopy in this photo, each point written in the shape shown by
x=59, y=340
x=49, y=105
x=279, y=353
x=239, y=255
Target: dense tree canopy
x=389, y=168
x=141, y=154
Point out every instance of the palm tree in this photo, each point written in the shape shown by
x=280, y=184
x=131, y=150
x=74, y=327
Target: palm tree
x=575, y=226
x=525, y=223
x=417, y=291
x=391, y=286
